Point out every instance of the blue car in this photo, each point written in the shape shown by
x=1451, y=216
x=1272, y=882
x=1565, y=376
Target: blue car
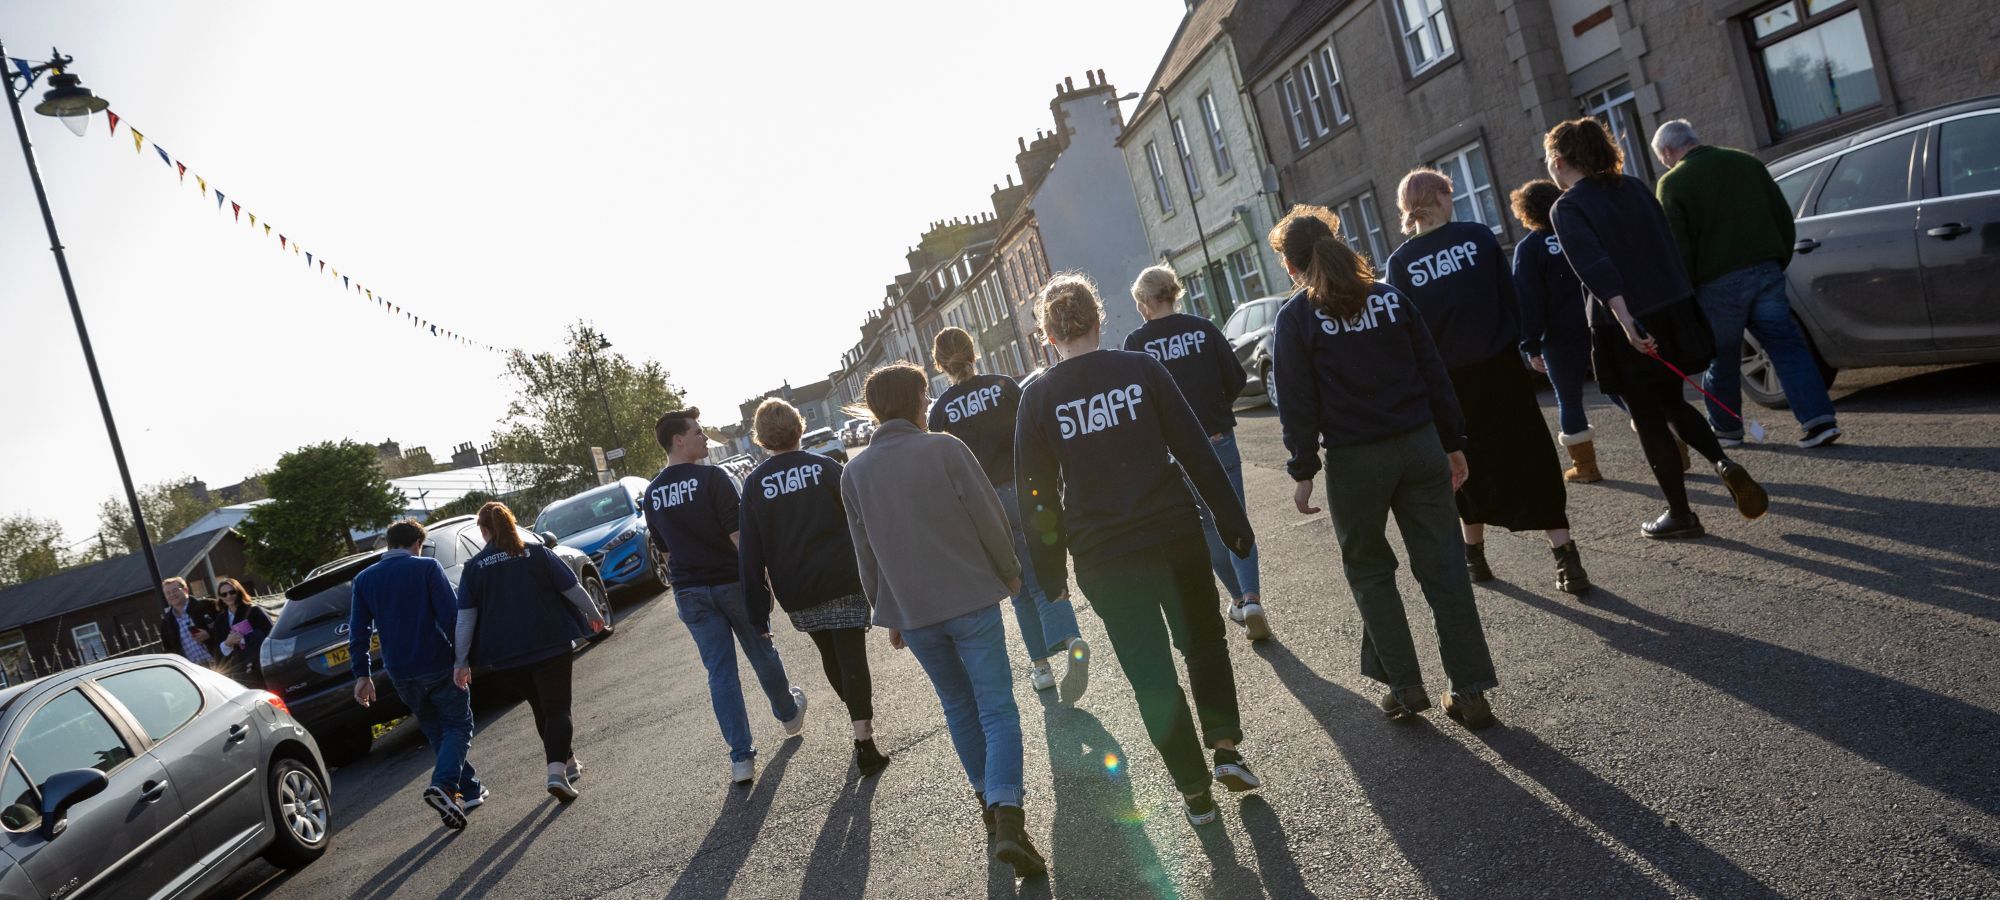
x=606, y=523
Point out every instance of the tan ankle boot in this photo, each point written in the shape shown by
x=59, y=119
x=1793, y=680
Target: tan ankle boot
x=1583, y=456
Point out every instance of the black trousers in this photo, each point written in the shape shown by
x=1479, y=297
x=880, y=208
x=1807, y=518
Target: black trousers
x=1153, y=602
x=844, y=653
x=546, y=685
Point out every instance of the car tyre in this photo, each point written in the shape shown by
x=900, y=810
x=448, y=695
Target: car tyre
x=347, y=745
x=303, y=810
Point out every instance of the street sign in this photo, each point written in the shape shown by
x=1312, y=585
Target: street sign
x=597, y=456
x=616, y=453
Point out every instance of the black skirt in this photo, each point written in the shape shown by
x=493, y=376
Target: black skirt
x=1514, y=479
x=1679, y=329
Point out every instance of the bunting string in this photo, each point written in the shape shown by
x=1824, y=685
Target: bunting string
x=315, y=262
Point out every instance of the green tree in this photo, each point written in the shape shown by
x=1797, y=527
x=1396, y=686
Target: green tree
x=170, y=507
x=559, y=412
x=30, y=548
x=318, y=494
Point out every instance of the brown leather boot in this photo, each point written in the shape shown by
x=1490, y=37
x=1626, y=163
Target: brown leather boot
x=1583, y=458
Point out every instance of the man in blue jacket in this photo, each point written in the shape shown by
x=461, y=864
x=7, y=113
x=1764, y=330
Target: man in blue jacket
x=406, y=601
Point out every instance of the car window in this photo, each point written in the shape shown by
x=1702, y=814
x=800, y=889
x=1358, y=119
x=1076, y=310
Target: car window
x=68, y=733
x=1875, y=175
x=160, y=697
x=1970, y=161
x=24, y=808
x=1795, y=185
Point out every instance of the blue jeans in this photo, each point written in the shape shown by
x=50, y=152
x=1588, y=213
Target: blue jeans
x=1239, y=576
x=1753, y=297
x=716, y=616
x=1567, y=362
x=1046, y=625
x=444, y=715
x=966, y=659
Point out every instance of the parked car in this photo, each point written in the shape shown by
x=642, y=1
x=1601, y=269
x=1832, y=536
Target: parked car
x=825, y=443
x=1898, y=254
x=857, y=432
x=1249, y=332
x=305, y=659
x=146, y=776
x=608, y=524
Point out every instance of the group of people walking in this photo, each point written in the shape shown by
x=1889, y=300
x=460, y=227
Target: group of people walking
x=1407, y=388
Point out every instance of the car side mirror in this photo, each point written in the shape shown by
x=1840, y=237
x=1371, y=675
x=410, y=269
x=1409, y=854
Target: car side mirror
x=64, y=790
x=549, y=539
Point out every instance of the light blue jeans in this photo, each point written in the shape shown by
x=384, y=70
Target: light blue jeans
x=444, y=715
x=966, y=659
x=1753, y=297
x=1239, y=576
x=716, y=616
x=1046, y=625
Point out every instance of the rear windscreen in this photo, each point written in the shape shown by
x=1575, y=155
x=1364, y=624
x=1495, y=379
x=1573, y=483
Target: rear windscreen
x=315, y=610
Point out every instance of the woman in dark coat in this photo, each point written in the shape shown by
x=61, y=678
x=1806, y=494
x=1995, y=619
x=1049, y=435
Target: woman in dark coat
x=1643, y=315
x=1461, y=283
x=244, y=627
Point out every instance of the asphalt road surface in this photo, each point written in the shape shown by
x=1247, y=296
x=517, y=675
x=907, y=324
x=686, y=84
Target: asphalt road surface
x=1805, y=706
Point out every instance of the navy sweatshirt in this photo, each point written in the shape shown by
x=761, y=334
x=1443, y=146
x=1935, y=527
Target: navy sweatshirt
x=1552, y=304
x=1371, y=377
x=691, y=512
x=1460, y=281
x=794, y=531
x=1095, y=454
x=1617, y=241
x=1199, y=357
x=523, y=616
x=407, y=601
x=979, y=411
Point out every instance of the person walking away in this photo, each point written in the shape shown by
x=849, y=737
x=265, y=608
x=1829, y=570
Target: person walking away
x=1554, y=334
x=1454, y=274
x=520, y=613
x=404, y=602
x=1363, y=382
x=1643, y=316
x=244, y=627
x=936, y=557
x=1106, y=448
x=187, y=625
x=1735, y=232
x=980, y=410
x=693, y=515
x=796, y=546
x=1204, y=367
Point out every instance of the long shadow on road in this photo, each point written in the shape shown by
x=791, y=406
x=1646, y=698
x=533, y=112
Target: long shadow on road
x=1934, y=740
x=722, y=853
x=1466, y=829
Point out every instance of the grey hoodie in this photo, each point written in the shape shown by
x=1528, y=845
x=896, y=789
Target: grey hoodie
x=929, y=534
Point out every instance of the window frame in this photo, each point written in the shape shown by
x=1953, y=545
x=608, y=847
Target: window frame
x=1807, y=22
x=1157, y=168
x=1218, y=143
x=1413, y=72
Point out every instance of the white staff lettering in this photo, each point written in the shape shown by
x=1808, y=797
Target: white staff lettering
x=1099, y=411
x=792, y=479
x=1448, y=261
x=1381, y=307
x=1177, y=346
x=972, y=403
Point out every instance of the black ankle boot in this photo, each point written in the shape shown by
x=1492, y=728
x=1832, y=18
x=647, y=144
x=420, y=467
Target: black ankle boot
x=1570, y=577
x=1475, y=562
x=868, y=759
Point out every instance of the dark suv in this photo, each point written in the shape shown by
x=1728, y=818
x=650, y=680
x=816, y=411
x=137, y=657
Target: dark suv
x=305, y=659
x=1898, y=254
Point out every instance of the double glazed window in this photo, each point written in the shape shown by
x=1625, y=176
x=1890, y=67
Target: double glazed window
x=1815, y=62
x=1427, y=38
x=1472, y=196
x=1159, y=172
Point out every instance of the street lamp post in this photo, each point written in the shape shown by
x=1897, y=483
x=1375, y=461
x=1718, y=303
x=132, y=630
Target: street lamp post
x=67, y=99
x=1185, y=162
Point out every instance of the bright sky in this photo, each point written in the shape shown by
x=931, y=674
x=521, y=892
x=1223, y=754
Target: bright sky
x=723, y=187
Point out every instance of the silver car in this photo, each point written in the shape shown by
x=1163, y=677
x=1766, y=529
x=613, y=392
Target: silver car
x=150, y=777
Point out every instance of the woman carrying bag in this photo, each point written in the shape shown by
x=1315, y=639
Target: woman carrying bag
x=520, y=609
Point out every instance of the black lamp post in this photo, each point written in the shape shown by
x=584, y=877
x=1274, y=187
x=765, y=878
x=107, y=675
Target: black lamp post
x=1186, y=162
x=67, y=99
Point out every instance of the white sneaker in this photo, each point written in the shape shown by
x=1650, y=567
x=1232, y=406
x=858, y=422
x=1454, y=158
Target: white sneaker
x=1042, y=678
x=1076, y=676
x=797, y=722
x=743, y=770
x=1251, y=614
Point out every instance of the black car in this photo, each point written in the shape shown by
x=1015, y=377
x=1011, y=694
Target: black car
x=1249, y=332
x=1898, y=255
x=305, y=659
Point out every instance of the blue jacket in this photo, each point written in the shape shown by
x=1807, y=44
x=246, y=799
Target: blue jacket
x=407, y=600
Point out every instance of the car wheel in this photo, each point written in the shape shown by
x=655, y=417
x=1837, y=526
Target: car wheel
x=346, y=745
x=303, y=809
x=602, y=600
x=1270, y=385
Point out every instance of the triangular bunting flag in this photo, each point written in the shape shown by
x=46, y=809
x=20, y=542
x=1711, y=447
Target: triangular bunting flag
x=112, y=117
x=138, y=141
x=178, y=167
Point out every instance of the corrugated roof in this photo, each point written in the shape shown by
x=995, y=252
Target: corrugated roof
x=87, y=586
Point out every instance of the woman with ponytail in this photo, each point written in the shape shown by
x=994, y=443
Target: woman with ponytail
x=980, y=410
x=1458, y=280
x=1100, y=448
x=1363, y=382
x=1204, y=366
x=520, y=609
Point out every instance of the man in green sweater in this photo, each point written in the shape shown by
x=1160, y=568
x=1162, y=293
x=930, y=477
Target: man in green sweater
x=1735, y=233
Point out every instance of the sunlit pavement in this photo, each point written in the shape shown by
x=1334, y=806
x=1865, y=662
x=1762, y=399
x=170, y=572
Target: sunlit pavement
x=1805, y=705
